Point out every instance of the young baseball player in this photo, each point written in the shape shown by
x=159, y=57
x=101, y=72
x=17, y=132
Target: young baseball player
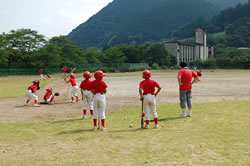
x=185, y=81
x=148, y=96
x=48, y=97
x=98, y=88
x=30, y=92
x=41, y=74
x=71, y=70
x=48, y=76
x=74, y=87
x=87, y=95
x=64, y=69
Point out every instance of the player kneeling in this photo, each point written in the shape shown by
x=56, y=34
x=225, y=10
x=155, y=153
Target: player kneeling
x=147, y=95
x=48, y=97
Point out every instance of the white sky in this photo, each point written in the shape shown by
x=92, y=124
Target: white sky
x=48, y=17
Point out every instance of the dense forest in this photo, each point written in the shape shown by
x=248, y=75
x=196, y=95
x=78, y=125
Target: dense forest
x=137, y=22
x=226, y=3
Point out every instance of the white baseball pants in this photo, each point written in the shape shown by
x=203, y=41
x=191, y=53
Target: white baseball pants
x=87, y=99
x=99, y=106
x=73, y=91
x=31, y=95
x=149, y=103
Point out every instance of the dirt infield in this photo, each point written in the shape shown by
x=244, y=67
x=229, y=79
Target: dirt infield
x=123, y=91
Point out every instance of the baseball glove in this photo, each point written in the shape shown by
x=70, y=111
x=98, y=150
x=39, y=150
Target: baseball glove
x=57, y=94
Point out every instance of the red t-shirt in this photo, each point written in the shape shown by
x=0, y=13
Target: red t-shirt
x=86, y=85
x=41, y=71
x=98, y=86
x=72, y=81
x=186, y=76
x=148, y=86
x=33, y=88
x=70, y=70
x=64, y=70
x=47, y=95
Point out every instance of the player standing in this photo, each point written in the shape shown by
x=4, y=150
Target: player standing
x=184, y=77
x=71, y=70
x=87, y=95
x=64, y=69
x=41, y=74
x=99, y=88
x=74, y=87
x=148, y=96
x=30, y=92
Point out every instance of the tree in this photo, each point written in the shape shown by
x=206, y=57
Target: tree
x=113, y=55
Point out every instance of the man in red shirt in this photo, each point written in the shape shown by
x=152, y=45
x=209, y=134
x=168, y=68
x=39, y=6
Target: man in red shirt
x=87, y=95
x=74, y=87
x=30, y=92
x=41, y=74
x=147, y=95
x=98, y=88
x=64, y=69
x=185, y=79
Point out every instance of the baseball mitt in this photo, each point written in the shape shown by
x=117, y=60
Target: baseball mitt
x=57, y=94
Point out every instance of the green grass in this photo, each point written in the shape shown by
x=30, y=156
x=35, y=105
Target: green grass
x=217, y=134
x=16, y=85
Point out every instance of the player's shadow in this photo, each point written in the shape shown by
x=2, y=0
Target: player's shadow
x=74, y=131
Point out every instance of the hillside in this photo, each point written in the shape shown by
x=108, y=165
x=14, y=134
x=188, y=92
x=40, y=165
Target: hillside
x=226, y=3
x=136, y=22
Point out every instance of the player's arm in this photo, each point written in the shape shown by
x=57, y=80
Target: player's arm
x=179, y=80
x=158, y=90
x=140, y=92
x=195, y=80
x=105, y=91
x=82, y=93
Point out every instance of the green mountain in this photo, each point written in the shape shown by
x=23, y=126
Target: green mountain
x=138, y=21
x=226, y=3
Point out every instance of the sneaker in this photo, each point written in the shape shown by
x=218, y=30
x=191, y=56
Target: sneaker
x=83, y=117
x=103, y=128
x=77, y=100
x=72, y=101
x=147, y=126
x=36, y=105
x=25, y=104
x=157, y=126
x=50, y=103
x=182, y=116
x=95, y=128
x=189, y=115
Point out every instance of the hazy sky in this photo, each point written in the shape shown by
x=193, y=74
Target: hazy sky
x=48, y=17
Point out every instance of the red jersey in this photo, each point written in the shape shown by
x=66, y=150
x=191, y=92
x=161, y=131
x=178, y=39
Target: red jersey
x=98, y=86
x=47, y=95
x=33, y=88
x=64, y=69
x=186, y=76
x=41, y=71
x=148, y=86
x=72, y=81
x=86, y=85
x=70, y=70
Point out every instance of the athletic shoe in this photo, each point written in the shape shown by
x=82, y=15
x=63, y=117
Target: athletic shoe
x=50, y=103
x=36, y=105
x=189, y=115
x=182, y=116
x=147, y=126
x=157, y=126
x=25, y=104
x=95, y=128
x=103, y=128
x=83, y=117
x=72, y=101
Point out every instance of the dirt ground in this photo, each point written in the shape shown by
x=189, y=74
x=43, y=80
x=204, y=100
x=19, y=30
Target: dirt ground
x=123, y=92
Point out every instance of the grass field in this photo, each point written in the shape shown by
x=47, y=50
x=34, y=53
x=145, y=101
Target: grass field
x=217, y=134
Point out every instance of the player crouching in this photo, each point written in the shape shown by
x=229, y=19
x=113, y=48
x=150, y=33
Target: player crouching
x=30, y=92
x=48, y=97
x=98, y=88
x=147, y=95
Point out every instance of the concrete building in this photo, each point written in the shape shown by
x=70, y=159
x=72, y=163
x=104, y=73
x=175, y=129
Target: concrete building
x=189, y=52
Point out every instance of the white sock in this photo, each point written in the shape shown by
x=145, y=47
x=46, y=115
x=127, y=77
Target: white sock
x=184, y=111
x=189, y=112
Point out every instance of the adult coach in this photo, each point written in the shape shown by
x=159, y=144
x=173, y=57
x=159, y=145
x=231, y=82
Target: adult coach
x=185, y=79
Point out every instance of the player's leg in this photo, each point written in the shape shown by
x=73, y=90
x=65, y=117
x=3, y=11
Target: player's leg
x=28, y=93
x=153, y=110
x=75, y=92
x=102, y=110
x=146, y=102
x=35, y=98
x=96, y=110
x=183, y=103
x=189, y=102
x=90, y=103
x=85, y=102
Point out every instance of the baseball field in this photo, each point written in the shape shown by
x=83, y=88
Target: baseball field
x=217, y=134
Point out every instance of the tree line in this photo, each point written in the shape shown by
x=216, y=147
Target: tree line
x=25, y=48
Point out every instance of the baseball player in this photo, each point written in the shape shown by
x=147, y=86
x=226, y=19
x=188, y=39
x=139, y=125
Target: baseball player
x=74, y=87
x=71, y=70
x=41, y=74
x=64, y=69
x=98, y=87
x=48, y=97
x=148, y=96
x=30, y=92
x=48, y=76
x=87, y=95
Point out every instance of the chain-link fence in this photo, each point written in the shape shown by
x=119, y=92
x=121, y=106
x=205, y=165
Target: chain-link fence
x=115, y=67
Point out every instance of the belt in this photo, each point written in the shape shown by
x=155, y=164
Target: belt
x=149, y=94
